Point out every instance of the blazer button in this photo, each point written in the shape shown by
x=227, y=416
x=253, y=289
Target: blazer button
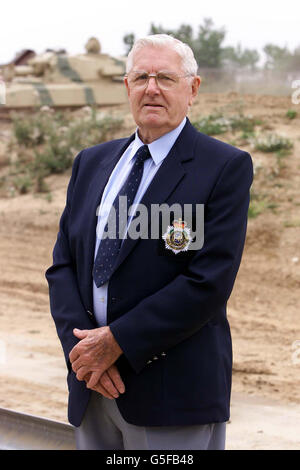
x=155, y=357
x=90, y=314
x=163, y=354
x=149, y=362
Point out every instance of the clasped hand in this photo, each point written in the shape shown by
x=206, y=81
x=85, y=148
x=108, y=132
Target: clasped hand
x=93, y=361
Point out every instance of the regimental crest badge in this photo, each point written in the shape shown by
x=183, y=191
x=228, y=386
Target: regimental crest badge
x=177, y=237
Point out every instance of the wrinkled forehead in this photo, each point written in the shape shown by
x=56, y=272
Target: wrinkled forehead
x=156, y=59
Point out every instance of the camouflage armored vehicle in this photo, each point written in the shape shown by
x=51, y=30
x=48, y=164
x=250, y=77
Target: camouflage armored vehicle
x=58, y=80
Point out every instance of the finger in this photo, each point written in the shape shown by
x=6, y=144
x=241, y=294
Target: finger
x=94, y=379
x=87, y=377
x=82, y=372
x=107, y=383
x=84, y=359
x=116, y=378
x=73, y=355
x=80, y=333
x=98, y=388
x=77, y=364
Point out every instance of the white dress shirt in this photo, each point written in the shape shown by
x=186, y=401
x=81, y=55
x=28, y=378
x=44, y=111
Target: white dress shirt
x=159, y=149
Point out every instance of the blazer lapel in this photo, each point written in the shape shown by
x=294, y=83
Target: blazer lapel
x=95, y=191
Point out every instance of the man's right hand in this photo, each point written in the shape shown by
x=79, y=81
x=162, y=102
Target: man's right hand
x=110, y=384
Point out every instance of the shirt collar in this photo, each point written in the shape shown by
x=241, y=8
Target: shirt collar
x=160, y=147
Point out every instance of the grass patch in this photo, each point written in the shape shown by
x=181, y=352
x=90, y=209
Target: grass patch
x=256, y=207
x=259, y=203
x=215, y=124
x=291, y=223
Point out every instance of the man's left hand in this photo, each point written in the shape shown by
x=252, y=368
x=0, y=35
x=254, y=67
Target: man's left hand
x=95, y=353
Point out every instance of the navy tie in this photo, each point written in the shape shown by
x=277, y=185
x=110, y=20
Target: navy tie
x=109, y=247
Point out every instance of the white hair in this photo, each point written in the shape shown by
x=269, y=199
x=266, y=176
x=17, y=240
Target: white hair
x=189, y=63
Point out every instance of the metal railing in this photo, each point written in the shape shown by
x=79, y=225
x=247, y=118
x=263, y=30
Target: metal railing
x=21, y=431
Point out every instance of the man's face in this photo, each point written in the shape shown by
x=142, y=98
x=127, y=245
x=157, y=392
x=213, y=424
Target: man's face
x=157, y=111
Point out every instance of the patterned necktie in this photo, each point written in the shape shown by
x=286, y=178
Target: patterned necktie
x=109, y=247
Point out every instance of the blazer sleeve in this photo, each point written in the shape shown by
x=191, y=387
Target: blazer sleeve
x=182, y=307
x=65, y=302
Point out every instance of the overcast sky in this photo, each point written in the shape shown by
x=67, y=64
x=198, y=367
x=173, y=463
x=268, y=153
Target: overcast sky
x=38, y=25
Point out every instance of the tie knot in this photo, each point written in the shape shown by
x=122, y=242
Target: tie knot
x=142, y=154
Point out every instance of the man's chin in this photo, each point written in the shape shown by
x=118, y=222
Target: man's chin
x=153, y=120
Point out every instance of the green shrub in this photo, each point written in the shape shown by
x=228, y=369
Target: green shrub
x=246, y=124
x=291, y=114
x=41, y=185
x=52, y=159
x=23, y=183
x=256, y=208
x=52, y=139
x=212, y=125
x=271, y=143
x=23, y=131
x=258, y=203
x=215, y=124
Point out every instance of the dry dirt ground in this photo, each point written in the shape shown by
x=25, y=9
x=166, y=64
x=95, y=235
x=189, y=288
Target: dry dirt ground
x=263, y=310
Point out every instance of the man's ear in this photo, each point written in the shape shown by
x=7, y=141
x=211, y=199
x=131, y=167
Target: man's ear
x=126, y=85
x=195, y=87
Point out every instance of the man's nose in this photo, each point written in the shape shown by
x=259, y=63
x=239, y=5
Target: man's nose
x=152, y=87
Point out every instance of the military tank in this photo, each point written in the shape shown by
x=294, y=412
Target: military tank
x=59, y=80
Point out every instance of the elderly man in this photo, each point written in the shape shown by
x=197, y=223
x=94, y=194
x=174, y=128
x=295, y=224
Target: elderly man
x=142, y=321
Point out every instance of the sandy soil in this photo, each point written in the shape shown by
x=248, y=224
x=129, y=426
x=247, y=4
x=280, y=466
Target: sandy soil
x=263, y=310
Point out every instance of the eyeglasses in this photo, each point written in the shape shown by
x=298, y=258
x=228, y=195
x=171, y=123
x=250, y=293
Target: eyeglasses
x=164, y=80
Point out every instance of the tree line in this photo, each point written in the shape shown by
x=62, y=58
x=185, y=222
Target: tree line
x=207, y=45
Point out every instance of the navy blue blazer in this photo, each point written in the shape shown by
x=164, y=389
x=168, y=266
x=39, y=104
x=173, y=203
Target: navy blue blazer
x=167, y=311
